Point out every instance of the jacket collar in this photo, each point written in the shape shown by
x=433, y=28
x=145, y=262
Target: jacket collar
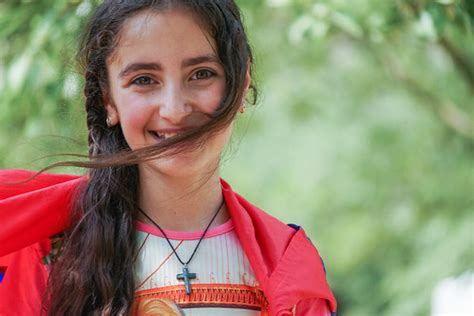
x=278, y=255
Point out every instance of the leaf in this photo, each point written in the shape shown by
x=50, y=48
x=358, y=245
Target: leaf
x=347, y=24
x=425, y=27
x=299, y=28
x=445, y=2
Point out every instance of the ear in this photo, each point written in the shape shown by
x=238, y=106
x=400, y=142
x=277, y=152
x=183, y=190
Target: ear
x=248, y=81
x=111, y=110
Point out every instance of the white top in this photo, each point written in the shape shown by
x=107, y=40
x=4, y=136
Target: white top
x=224, y=285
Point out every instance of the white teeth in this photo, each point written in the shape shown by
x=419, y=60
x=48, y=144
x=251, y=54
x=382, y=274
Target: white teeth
x=165, y=135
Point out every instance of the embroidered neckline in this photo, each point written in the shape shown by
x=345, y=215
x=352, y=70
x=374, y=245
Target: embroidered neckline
x=208, y=295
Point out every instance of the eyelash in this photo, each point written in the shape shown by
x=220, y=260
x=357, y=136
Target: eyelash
x=150, y=81
x=209, y=74
x=136, y=81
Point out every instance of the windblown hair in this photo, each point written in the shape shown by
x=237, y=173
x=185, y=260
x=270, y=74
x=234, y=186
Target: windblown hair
x=94, y=272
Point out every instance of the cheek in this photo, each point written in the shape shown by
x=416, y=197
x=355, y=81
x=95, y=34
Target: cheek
x=133, y=119
x=210, y=99
x=133, y=112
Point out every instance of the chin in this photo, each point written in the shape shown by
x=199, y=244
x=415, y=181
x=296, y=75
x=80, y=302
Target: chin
x=180, y=167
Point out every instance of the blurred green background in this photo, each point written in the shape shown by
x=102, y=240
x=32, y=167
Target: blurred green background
x=364, y=133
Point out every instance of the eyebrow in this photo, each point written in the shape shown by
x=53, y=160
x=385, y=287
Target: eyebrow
x=139, y=66
x=156, y=66
x=210, y=58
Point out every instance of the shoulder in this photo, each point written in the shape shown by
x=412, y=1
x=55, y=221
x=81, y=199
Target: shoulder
x=292, y=267
x=260, y=230
x=250, y=214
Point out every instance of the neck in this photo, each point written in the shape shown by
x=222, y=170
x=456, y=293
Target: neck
x=180, y=204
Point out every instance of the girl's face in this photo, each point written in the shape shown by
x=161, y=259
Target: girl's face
x=163, y=75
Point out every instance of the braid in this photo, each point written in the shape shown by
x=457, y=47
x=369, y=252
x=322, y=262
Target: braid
x=95, y=113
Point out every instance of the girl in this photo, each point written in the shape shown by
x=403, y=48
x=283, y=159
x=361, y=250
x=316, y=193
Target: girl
x=153, y=229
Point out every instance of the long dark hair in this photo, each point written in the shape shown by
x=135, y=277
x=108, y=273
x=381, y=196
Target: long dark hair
x=94, y=272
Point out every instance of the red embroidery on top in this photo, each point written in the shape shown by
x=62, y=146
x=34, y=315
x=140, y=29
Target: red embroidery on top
x=206, y=295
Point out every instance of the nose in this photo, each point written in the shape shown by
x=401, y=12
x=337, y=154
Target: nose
x=174, y=105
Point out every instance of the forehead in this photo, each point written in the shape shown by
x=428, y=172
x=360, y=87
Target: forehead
x=170, y=34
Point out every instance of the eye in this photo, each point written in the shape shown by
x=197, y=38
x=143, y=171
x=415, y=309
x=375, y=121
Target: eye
x=143, y=81
x=202, y=74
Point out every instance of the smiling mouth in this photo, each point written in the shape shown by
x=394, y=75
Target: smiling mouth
x=162, y=136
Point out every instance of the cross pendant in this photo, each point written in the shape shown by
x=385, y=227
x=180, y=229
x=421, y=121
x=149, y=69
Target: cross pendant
x=186, y=276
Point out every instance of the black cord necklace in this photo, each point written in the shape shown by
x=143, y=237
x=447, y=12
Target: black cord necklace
x=186, y=275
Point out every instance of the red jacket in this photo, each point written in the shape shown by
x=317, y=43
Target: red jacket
x=286, y=264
